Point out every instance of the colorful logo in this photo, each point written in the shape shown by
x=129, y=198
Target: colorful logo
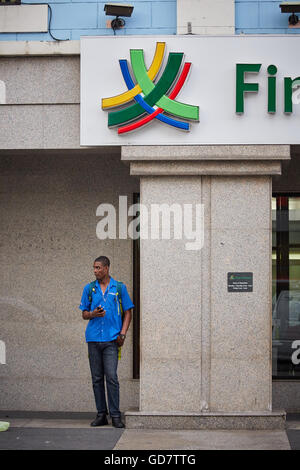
x=152, y=100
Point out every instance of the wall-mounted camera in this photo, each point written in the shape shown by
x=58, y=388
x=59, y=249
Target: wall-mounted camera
x=291, y=7
x=118, y=10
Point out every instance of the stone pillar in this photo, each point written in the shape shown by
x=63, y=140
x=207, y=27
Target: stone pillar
x=205, y=351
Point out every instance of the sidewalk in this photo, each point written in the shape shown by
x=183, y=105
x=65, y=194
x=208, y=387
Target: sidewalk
x=40, y=433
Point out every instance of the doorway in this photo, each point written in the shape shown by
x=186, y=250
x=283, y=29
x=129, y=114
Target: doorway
x=286, y=286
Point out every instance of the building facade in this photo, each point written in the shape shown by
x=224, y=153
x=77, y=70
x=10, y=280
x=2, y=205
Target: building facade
x=194, y=349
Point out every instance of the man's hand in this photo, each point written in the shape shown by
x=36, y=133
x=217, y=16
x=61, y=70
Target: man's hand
x=120, y=340
x=98, y=312
x=86, y=315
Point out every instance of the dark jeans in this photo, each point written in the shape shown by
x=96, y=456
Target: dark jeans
x=103, y=358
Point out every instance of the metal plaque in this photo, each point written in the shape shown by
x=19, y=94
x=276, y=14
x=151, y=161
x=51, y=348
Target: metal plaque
x=240, y=282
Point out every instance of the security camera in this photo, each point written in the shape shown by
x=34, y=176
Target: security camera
x=291, y=7
x=117, y=10
x=293, y=19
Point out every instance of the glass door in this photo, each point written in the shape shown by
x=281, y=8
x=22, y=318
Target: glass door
x=286, y=286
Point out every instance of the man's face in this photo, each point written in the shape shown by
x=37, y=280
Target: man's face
x=100, y=271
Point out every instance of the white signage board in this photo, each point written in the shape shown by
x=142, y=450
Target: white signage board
x=211, y=85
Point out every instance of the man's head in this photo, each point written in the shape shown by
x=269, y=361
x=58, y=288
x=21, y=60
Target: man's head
x=101, y=267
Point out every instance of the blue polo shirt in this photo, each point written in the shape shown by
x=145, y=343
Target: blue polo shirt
x=108, y=327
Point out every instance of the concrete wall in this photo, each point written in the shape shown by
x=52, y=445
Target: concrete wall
x=48, y=201
x=205, y=17
x=261, y=17
x=74, y=18
x=42, y=102
x=30, y=18
x=48, y=204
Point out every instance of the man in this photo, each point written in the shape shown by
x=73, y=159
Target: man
x=105, y=333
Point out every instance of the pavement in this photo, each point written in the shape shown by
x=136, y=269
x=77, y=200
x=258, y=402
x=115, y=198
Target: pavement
x=50, y=431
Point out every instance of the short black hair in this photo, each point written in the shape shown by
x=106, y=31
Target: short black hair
x=103, y=260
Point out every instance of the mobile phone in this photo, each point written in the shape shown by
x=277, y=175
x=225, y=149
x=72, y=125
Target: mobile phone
x=100, y=308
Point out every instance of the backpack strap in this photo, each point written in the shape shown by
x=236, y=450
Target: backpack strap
x=92, y=288
x=119, y=300
x=119, y=296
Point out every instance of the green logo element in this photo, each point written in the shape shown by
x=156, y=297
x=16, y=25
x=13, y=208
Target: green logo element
x=147, y=93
